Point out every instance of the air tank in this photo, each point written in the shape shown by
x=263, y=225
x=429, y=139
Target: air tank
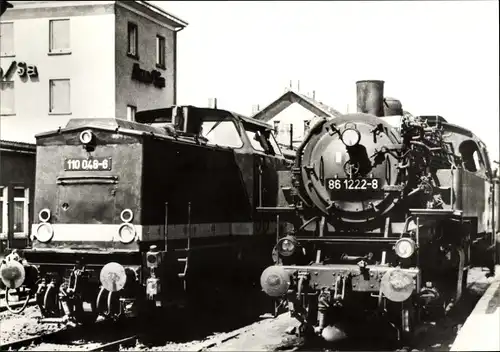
x=370, y=97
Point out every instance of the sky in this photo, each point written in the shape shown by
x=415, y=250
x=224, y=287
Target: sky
x=437, y=57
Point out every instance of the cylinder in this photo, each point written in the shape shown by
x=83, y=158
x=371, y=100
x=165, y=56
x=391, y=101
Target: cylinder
x=370, y=97
x=392, y=107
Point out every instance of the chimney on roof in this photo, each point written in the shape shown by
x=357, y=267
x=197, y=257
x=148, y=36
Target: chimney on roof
x=314, y=95
x=298, y=86
x=212, y=103
x=255, y=109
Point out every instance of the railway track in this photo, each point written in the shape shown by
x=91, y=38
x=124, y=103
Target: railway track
x=180, y=326
x=102, y=336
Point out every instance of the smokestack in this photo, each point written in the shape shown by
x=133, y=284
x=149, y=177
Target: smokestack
x=370, y=97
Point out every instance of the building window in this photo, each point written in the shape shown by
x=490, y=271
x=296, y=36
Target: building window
x=60, y=92
x=6, y=39
x=21, y=201
x=133, y=40
x=59, y=36
x=4, y=221
x=306, y=126
x=160, y=51
x=8, y=100
x=276, y=127
x=131, y=110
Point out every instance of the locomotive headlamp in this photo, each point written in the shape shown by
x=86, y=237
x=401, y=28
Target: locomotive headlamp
x=44, y=215
x=350, y=137
x=126, y=215
x=86, y=136
x=113, y=277
x=44, y=232
x=127, y=233
x=286, y=246
x=404, y=247
x=275, y=281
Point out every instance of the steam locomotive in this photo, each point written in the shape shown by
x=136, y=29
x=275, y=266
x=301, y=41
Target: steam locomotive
x=387, y=209
x=139, y=216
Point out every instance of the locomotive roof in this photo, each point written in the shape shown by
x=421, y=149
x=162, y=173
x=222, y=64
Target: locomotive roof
x=144, y=118
x=149, y=116
x=454, y=128
x=432, y=118
x=104, y=123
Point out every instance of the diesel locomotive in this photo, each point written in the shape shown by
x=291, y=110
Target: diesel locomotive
x=139, y=216
x=389, y=211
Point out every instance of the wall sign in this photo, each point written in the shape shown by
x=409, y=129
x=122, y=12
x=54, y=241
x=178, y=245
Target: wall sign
x=23, y=70
x=154, y=77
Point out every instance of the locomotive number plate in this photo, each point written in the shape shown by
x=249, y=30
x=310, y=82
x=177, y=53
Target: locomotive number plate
x=353, y=184
x=94, y=164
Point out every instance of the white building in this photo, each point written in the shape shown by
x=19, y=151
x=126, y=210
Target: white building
x=80, y=59
x=291, y=114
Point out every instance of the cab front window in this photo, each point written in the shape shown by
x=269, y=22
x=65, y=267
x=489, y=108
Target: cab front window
x=222, y=133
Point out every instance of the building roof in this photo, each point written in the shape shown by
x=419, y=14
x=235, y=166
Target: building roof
x=290, y=97
x=175, y=21
x=16, y=146
x=145, y=8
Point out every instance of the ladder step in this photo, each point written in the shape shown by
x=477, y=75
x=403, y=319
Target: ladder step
x=182, y=260
x=181, y=275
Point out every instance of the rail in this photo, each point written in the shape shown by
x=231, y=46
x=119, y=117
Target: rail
x=104, y=332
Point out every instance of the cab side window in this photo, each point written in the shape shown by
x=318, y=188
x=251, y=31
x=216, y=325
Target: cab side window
x=255, y=141
x=471, y=156
x=263, y=141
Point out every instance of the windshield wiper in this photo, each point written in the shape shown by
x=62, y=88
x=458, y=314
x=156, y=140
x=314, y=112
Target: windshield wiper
x=216, y=124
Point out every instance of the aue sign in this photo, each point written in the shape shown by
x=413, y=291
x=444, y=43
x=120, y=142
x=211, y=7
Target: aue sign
x=154, y=77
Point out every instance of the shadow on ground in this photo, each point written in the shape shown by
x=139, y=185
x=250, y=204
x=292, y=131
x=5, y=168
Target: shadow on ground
x=222, y=314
